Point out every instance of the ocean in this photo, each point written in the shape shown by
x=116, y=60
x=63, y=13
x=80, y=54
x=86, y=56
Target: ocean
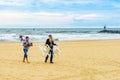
x=59, y=34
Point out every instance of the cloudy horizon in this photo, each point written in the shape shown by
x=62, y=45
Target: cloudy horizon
x=63, y=13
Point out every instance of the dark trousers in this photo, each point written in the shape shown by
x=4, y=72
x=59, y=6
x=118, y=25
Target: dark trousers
x=51, y=56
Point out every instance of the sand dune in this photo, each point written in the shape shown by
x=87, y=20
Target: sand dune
x=79, y=60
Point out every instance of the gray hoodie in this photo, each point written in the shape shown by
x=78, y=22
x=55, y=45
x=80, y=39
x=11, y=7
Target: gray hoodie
x=25, y=46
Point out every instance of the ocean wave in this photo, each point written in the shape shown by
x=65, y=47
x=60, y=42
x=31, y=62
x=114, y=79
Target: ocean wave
x=58, y=34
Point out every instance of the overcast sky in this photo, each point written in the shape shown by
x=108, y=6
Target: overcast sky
x=59, y=13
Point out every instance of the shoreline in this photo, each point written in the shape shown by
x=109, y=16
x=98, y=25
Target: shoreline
x=62, y=40
x=40, y=35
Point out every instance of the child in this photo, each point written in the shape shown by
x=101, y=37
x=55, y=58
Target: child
x=50, y=43
x=21, y=38
x=26, y=45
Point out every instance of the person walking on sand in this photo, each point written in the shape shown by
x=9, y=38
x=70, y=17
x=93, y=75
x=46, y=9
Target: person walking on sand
x=50, y=43
x=21, y=38
x=26, y=45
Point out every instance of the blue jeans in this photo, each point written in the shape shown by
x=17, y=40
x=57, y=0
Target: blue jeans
x=25, y=53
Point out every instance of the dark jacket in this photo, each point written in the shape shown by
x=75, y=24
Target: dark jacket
x=50, y=44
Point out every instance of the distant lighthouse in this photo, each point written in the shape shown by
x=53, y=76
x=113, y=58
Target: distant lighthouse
x=105, y=27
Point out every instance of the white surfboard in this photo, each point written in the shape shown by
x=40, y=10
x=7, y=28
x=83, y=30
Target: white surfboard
x=57, y=50
x=44, y=50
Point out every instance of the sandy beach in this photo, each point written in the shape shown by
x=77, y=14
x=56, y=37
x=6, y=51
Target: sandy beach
x=79, y=60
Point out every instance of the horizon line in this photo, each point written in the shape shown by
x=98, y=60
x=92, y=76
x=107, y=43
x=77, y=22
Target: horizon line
x=52, y=27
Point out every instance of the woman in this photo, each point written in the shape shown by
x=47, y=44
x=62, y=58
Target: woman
x=50, y=43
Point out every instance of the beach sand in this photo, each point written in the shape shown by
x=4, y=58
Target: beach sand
x=79, y=60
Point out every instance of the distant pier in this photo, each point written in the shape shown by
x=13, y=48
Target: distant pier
x=109, y=31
